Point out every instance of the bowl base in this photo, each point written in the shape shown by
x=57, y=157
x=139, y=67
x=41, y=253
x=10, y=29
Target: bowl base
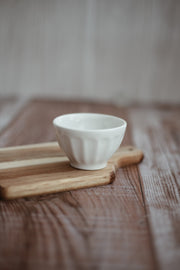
x=89, y=167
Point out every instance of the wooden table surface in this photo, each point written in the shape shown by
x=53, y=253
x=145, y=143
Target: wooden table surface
x=133, y=223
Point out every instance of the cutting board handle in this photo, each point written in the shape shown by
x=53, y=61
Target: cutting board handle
x=127, y=155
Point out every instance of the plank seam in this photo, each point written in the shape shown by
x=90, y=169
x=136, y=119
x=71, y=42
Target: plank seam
x=156, y=265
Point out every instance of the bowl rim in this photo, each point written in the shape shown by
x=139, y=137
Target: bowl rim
x=123, y=125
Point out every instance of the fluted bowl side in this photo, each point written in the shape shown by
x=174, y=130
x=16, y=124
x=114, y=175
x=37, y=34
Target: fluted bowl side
x=89, y=139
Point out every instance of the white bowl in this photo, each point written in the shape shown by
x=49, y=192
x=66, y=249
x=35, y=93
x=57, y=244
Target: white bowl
x=89, y=139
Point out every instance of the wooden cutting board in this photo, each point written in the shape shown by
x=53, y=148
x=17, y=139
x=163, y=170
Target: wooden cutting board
x=43, y=168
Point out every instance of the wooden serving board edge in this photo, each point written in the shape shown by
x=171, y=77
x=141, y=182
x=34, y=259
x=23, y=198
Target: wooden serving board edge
x=12, y=191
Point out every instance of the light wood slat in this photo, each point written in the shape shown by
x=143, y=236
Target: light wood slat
x=34, y=147
x=46, y=153
x=30, y=151
x=99, y=228
x=25, y=164
x=157, y=133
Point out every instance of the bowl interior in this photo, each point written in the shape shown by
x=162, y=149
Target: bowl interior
x=88, y=121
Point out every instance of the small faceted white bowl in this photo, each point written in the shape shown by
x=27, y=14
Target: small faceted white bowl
x=89, y=139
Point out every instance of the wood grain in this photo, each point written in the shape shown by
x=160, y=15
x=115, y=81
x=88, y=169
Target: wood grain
x=50, y=174
x=157, y=132
x=131, y=224
x=40, y=113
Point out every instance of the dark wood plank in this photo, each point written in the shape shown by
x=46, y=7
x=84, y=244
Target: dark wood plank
x=6, y=103
x=9, y=107
x=97, y=228
x=33, y=124
x=157, y=132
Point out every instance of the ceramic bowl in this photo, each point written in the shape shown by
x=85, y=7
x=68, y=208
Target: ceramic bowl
x=89, y=139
